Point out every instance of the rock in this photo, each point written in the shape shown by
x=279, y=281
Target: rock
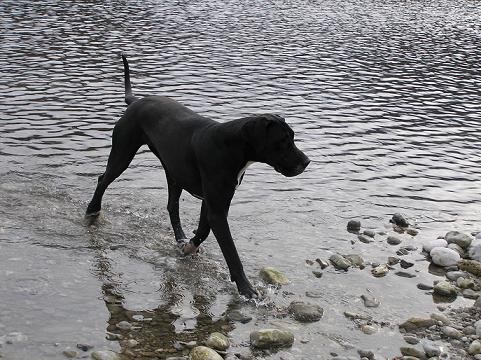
x=399, y=220
x=105, y=355
x=369, y=329
x=405, y=274
x=411, y=351
x=370, y=301
x=380, y=270
x=305, y=312
x=354, y=225
x=70, y=353
x=314, y=294
x=475, y=347
x=431, y=349
x=444, y=256
x=271, y=338
x=204, y=353
x=458, y=249
x=456, y=237
x=415, y=323
x=422, y=286
x=412, y=232
x=317, y=274
x=444, y=288
x=474, y=250
x=355, y=260
x=238, y=316
x=368, y=354
x=365, y=239
x=322, y=263
x=411, y=339
x=370, y=233
x=454, y=275
x=393, y=240
x=340, y=262
x=427, y=247
x=472, y=266
x=218, y=341
x=477, y=304
x=356, y=316
x=470, y=294
x=440, y=317
x=406, y=264
x=392, y=260
x=464, y=283
x=124, y=325
x=451, y=332
x=273, y=276
x=131, y=343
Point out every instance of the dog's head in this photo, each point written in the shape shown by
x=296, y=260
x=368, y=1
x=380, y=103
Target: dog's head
x=271, y=141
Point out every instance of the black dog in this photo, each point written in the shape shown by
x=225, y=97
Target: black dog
x=201, y=156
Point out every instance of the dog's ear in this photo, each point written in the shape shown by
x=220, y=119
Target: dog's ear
x=254, y=131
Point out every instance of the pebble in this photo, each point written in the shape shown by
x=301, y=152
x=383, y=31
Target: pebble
x=422, y=286
x=470, y=294
x=380, y=270
x=451, y=332
x=314, y=294
x=131, y=343
x=124, y=325
x=444, y=288
x=218, y=341
x=368, y=354
x=455, y=275
x=370, y=301
x=431, y=349
x=411, y=351
x=354, y=225
x=406, y=264
x=399, y=220
x=474, y=250
x=273, y=276
x=405, y=274
x=238, y=316
x=393, y=240
x=369, y=329
x=317, y=274
x=322, y=263
x=427, y=247
x=475, y=347
x=365, y=239
x=461, y=239
x=85, y=347
x=412, y=232
x=268, y=338
x=305, y=312
x=392, y=260
x=70, y=353
x=411, y=339
x=340, y=262
x=370, y=233
x=444, y=256
x=477, y=304
x=417, y=323
x=204, y=353
x=105, y=355
x=477, y=326
x=355, y=260
x=458, y=249
x=441, y=317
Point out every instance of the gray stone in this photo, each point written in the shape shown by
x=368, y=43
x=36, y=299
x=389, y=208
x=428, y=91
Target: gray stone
x=412, y=232
x=474, y=250
x=355, y=260
x=69, y=353
x=405, y=274
x=271, y=338
x=204, y=353
x=273, y=276
x=399, y=220
x=444, y=288
x=368, y=354
x=415, y=323
x=451, y=332
x=365, y=239
x=441, y=318
x=422, y=286
x=455, y=275
x=431, y=349
x=456, y=237
x=475, y=347
x=238, y=316
x=354, y=225
x=305, y=312
x=218, y=341
x=458, y=249
x=464, y=283
x=370, y=301
x=370, y=233
x=314, y=294
x=411, y=351
x=340, y=262
x=427, y=247
x=470, y=294
x=477, y=326
x=469, y=330
x=369, y=329
x=444, y=256
x=411, y=339
x=393, y=240
x=105, y=355
x=124, y=325
x=477, y=304
x=380, y=270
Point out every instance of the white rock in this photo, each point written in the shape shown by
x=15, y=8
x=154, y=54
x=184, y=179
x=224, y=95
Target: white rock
x=427, y=247
x=444, y=257
x=475, y=347
x=105, y=355
x=475, y=249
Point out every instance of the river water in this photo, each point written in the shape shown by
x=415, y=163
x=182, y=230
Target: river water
x=384, y=97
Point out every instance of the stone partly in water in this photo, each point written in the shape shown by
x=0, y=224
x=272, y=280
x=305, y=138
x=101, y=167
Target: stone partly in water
x=370, y=233
x=369, y=329
x=370, y=301
x=411, y=351
x=427, y=247
x=380, y=270
x=238, y=316
x=365, y=239
x=412, y=232
x=305, y=312
x=273, y=276
x=393, y=240
x=354, y=225
x=105, y=355
x=456, y=237
x=355, y=260
x=271, y=338
x=415, y=323
x=399, y=220
x=340, y=262
x=218, y=341
x=444, y=288
x=472, y=266
x=444, y=257
x=204, y=353
x=474, y=250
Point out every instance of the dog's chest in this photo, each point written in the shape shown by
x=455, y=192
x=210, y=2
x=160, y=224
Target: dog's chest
x=241, y=173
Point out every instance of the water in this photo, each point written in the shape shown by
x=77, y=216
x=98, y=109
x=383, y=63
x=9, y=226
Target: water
x=383, y=96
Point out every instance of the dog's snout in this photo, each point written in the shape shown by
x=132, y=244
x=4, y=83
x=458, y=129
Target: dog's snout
x=306, y=162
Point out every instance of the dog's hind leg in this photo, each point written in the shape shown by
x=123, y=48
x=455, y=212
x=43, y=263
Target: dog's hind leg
x=125, y=144
x=201, y=234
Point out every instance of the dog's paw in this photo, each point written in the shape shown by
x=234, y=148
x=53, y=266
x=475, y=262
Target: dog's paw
x=187, y=248
x=248, y=291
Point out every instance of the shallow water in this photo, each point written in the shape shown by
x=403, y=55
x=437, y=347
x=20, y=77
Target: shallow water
x=383, y=96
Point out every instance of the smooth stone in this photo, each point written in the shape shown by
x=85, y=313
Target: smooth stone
x=411, y=351
x=405, y=274
x=369, y=329
x=305, y=312
x=370, y=301
x=477, y=357
x=322, y=263
x=474, y=250
x=380, y=270
x=406, y=264
x=458, y=249
x=317, y=274
x=340, y=262
x=218, y=341
x=422, y=286
x=354, y=225
x=273, y=276
x=392, y=260
x=417, y=323
x=393, y=240
x=314, y=294
x=131, y=343
x=427, y=247
x=441, y=318
x=431, y=349
x=355, y=260
x=455, y=275
x=444, y=256
x=444, y=288
x=411, y=339
x=451, y=332
x=399, y=220
x=238, y=316
x=70, y=353
x=464, y=283
x=370, y=233
x=356, y=316
x=105, y=355
x=469, y=330
x=412, y=232
x=368, y=354
x=271, y=338
x=456, y=237
x=471, y=266
x=475, y=347
x=365, y=239
x=124, y=325
x=204, y=353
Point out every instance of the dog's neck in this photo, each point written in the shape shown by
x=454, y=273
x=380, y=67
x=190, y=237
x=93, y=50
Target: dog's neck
x=241, y=173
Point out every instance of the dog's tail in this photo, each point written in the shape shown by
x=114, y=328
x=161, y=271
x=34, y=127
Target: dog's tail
x=129, y=98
